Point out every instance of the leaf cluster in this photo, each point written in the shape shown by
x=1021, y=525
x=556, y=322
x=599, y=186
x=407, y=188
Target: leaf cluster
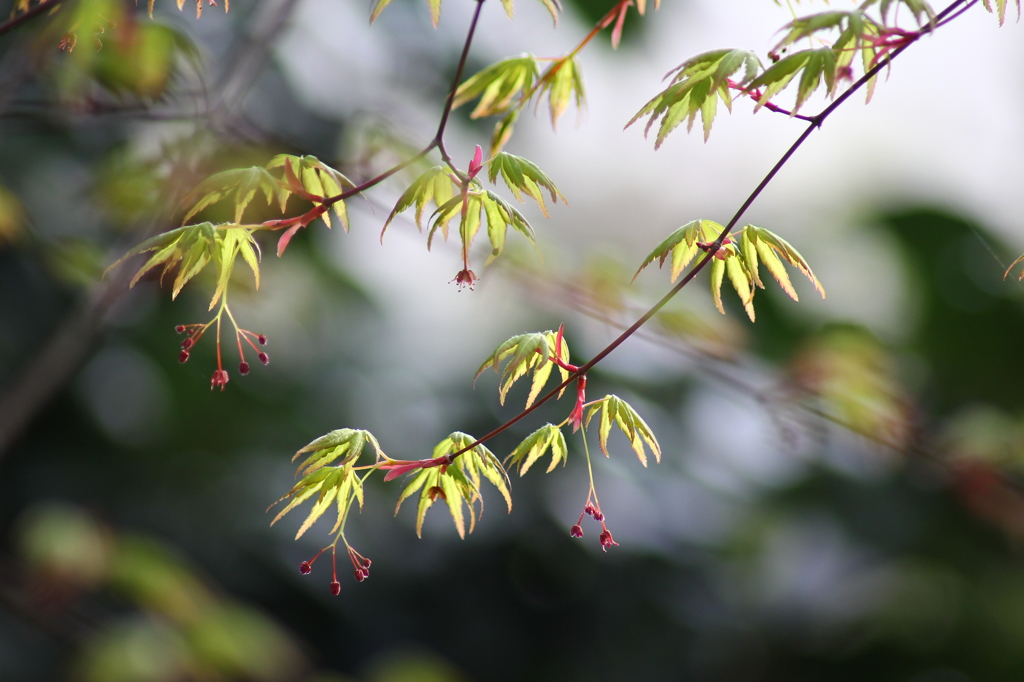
x=534, y=446
x=458, y=484
x=191, y=248
x=332, y=483
x=525, y=353
x=739, y=257
x=615, y=410
x=695, y=88
x=506, y=87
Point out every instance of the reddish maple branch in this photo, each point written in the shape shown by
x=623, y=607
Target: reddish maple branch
x=958, y=7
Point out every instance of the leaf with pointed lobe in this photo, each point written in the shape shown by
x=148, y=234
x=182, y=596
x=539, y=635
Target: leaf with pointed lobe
x=616, y=411
x=692, y=83
x=523, y=176
x=534, y=446
x=772, y=250
x=458, y=484
x=500, y=86
x=526, y=353
x=347, y=444
x=562, y=82
x=240, y=184
x=434, y=185
x=330, y=484
x=812, y=65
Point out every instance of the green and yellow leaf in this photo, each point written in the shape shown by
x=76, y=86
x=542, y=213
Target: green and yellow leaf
x=526, y=353
x=616, y=411
x=547, y=437
x=696, y=86
x=523, y=176
x=500, y=86
x=457, y=484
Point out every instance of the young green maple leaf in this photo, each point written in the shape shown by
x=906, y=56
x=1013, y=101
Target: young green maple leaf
x=615, y=410
x=458, y=484
x=313, y=180
x=697, y=85
x=241, y=184
x=737, y=258
x=191, y=248
x=347, y=444
x=562, y=81
x=998, y=7
x=523, y=176
x=526, y=353
x=340, y=485
x=500, y=86
x=812, y=65
x=533, y=447
x=435, y=185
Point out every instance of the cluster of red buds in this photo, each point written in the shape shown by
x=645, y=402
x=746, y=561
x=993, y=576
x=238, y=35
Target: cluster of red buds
x=220, y=376
x=360, y=565
x=590, y=509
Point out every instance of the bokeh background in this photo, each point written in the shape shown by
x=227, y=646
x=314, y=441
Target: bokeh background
x=840, y=494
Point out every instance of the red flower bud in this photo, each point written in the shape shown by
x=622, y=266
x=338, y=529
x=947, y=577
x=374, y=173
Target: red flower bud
x=262, y=339
x=183, y=356
x=187, y=343
x=305, y=568
x=180, y=329
x=335, y=588
x=264, y=358
x=243, y=368
x=576, y=532
x=607, y=540
x=361, y=575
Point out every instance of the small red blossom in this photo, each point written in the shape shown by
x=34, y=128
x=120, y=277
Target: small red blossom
x=436, y=492
x=187, y=343
x=607, y=540
x=465, y=278
x=262, y=338
x=220, y=379
x=180, y=329
x=183, y=356
x=335, y=588
x=264, y=358
x=243, y=368
x=361, y=574
x=305, y=568
x=576, y=531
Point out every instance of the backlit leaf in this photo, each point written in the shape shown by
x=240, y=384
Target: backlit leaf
x=616, y=411
x=692, y=83
x=547, y=437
